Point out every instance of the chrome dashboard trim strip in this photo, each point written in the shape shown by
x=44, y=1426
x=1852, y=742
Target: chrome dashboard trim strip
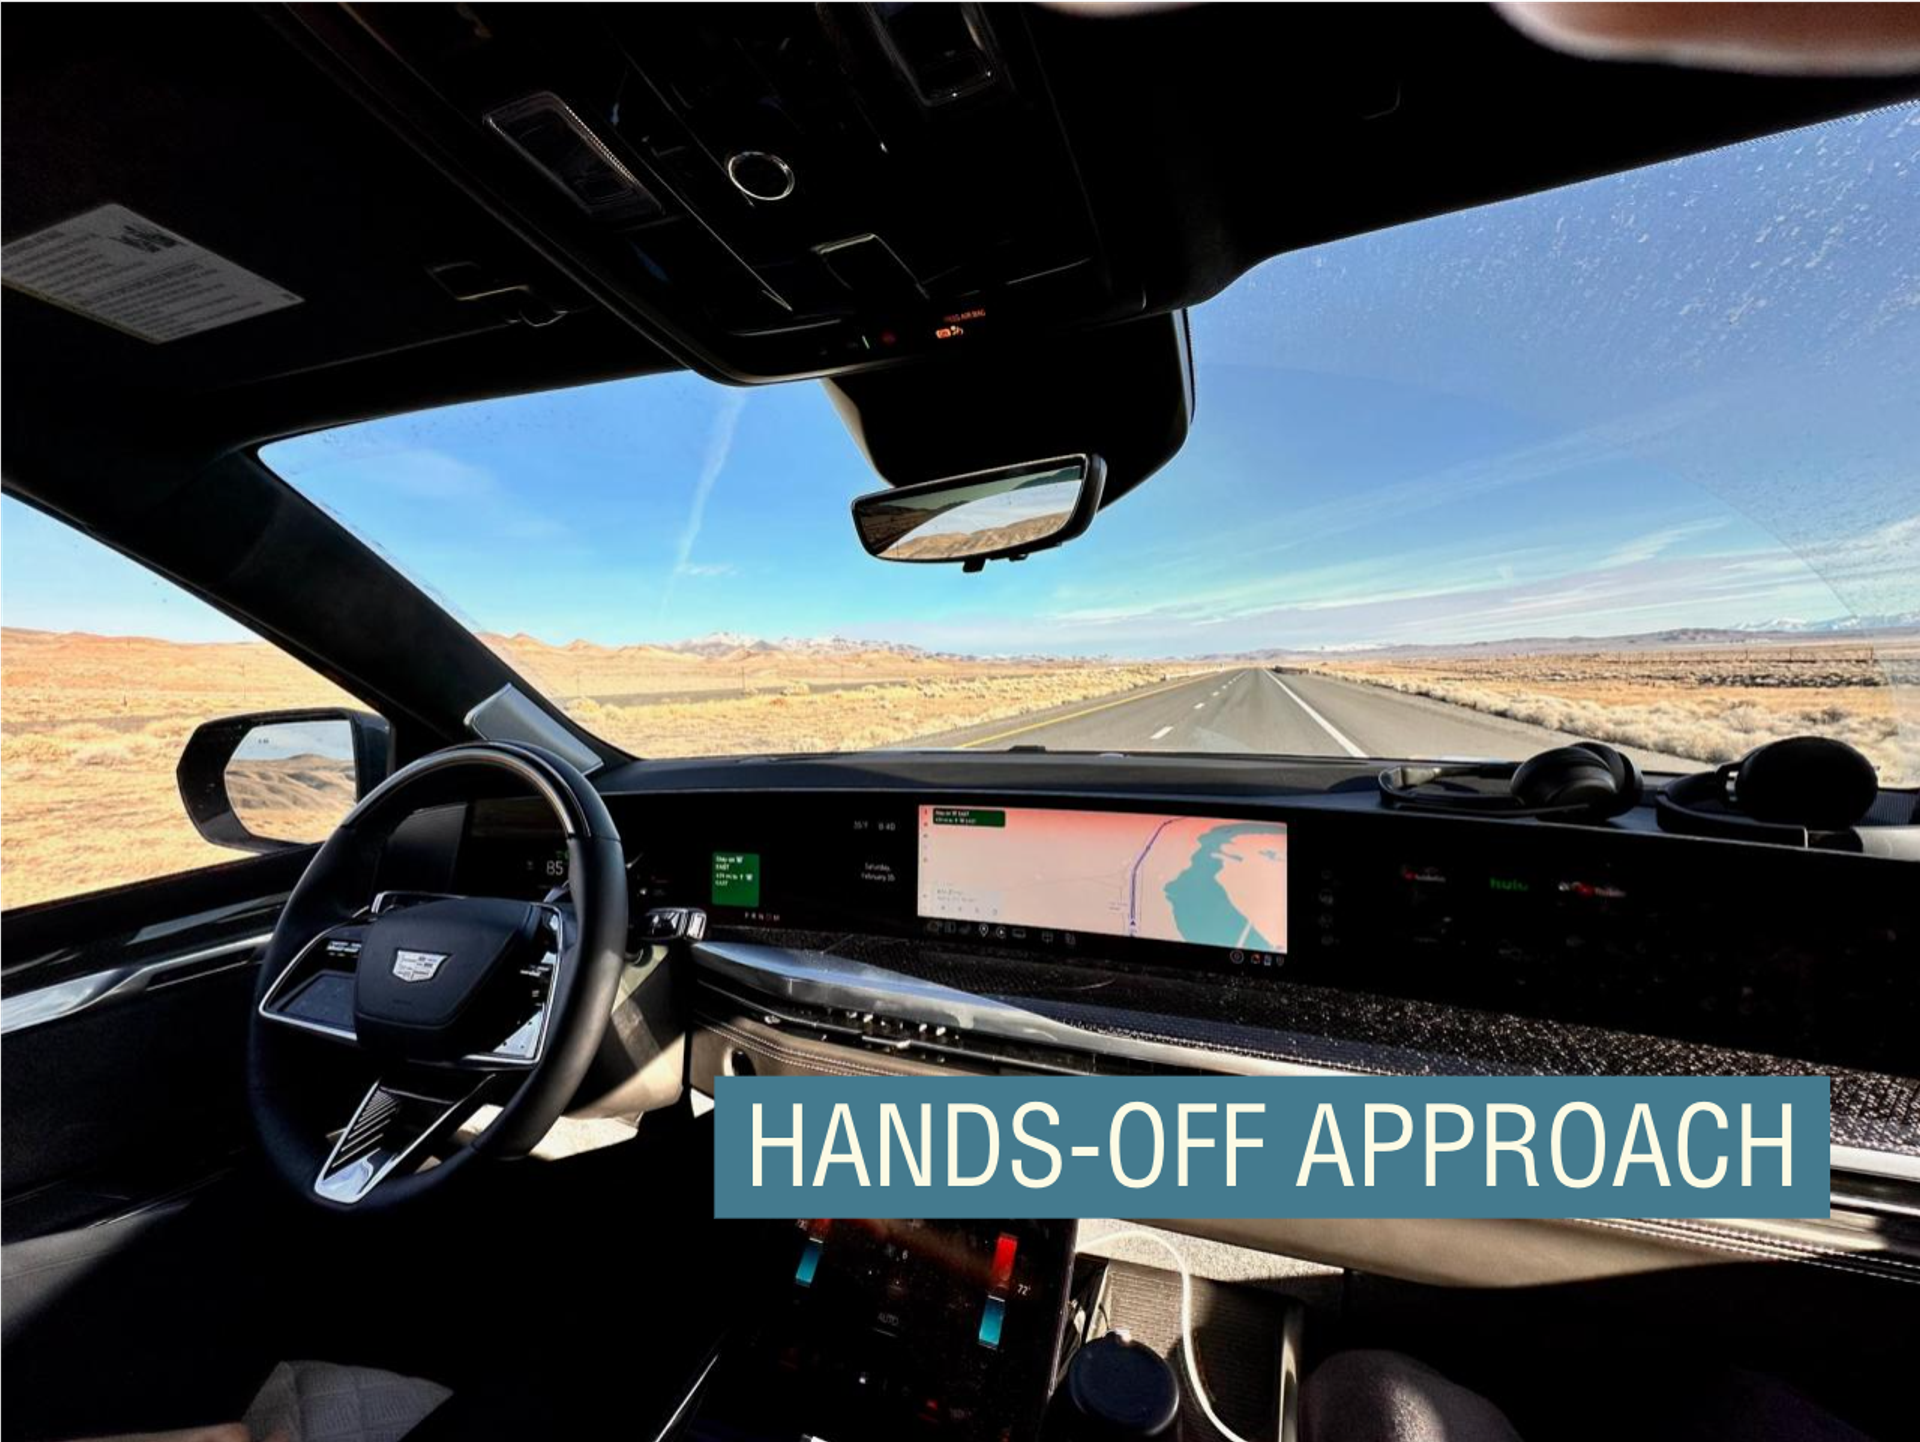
x=77, y=994
x=818, y=978
x=1897, y=1166
x=693, y=1394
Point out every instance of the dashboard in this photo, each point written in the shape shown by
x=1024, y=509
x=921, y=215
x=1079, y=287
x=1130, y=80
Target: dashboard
x=1219, y=890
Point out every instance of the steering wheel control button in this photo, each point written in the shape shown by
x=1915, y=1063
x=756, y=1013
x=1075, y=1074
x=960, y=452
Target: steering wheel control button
x=760, y=175
x=524, y=1044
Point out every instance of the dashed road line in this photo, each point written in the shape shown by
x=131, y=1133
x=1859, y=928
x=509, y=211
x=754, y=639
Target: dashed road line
x=1161, y=732
x=1076, y=715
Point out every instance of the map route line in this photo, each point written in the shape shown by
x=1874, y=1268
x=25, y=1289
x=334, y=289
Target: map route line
x=1133, y=876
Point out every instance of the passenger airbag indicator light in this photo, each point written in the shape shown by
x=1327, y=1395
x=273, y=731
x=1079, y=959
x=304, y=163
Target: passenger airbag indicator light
x=1003, y=1251
x=990, y=1321
x=1592, y=890
x=809, y=1262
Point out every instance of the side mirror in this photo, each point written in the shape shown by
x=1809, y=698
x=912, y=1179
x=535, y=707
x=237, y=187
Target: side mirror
x=281, y=778
x=976, y=518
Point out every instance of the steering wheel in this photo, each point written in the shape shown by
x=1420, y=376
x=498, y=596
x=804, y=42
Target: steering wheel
x=450, y=1002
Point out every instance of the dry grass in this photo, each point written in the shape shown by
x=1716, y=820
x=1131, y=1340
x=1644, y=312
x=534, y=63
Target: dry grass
x=849, y=719
x=91, y=728
x=626, y=675
x=1713, y=705
x=658, y=702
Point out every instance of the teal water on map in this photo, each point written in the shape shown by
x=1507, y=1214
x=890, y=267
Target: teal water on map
x=1202, y=911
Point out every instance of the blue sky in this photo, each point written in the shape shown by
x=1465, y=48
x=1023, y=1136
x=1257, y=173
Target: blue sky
x=1682, y=397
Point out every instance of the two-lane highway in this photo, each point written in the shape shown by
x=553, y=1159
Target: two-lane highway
x=1260, y=711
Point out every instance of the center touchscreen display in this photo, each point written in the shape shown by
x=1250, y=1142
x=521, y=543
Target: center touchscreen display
x=1014, y=872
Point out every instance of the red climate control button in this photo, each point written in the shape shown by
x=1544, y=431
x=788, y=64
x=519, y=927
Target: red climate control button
x=1003, y=1251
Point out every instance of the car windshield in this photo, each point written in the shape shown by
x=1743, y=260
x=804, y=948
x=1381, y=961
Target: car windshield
x=1632, y=460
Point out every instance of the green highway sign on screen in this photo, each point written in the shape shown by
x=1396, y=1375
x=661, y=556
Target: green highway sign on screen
x=736, y=878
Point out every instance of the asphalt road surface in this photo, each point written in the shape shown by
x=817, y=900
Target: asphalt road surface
x=1254, y=710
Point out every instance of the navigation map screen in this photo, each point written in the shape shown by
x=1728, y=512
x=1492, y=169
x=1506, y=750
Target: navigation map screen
x=1022, y=873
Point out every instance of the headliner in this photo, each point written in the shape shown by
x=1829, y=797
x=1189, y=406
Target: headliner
x=220, y=123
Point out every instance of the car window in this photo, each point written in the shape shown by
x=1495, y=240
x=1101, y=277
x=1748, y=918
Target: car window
x=105, y=670
x=1629, y=461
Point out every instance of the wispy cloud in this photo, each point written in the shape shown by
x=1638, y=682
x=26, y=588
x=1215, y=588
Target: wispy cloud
x=726, y=421
x=1302, y=529
x=1658, y=593
x=1655, y=543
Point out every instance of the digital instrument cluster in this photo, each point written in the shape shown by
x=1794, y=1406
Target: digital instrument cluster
x=1179, y=887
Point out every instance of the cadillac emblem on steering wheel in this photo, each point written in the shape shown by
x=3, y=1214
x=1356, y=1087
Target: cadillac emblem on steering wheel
x=417, y=965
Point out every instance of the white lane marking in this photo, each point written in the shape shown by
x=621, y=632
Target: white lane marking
x=1321, y=721
x=1199, y=705
x=1161, y=732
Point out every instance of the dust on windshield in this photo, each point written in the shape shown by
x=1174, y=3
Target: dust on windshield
x=1632, y=460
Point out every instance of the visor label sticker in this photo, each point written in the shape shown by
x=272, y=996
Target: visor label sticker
x=125, y=271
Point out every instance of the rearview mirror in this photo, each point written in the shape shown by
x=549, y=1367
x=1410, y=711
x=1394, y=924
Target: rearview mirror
x=280, y=778
x=977, y=518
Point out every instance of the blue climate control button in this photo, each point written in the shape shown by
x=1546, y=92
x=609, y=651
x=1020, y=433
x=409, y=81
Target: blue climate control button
x=990, y=1321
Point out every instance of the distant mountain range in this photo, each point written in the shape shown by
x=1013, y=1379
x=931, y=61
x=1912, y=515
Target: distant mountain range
x=740, y=648
x=734, y=648
x=732, y=643
x=1906, y=620
x=1778, y=632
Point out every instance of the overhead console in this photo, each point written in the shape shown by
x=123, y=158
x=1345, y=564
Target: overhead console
x=781, y=189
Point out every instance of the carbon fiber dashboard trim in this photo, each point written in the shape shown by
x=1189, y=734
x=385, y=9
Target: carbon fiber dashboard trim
x=1280, y=1025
